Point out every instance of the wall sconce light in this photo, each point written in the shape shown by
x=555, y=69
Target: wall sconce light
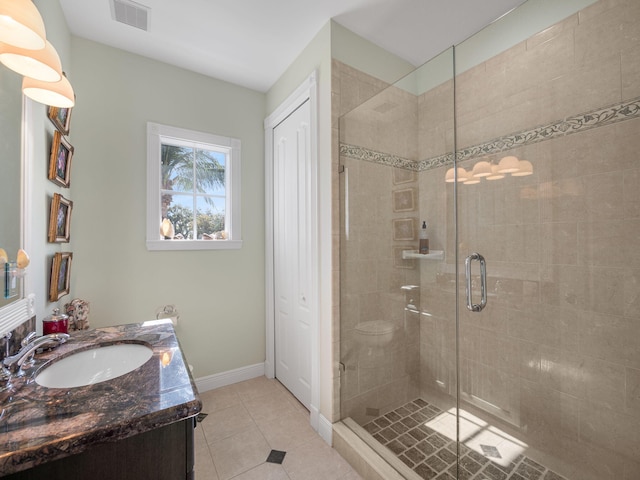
x=495, y=175
x=166, y=357
x=13, y=271
x=43, y=64
x=525, y=168
x=508, y=164
x=481, y=169
x=25, y=50
x=472, y=180
x=450, y=176
x=166, y=229
x=490, y=171
x=56, y=94
x=21, y=24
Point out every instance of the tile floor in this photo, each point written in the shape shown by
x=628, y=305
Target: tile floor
x=420, y=435
x=246, y=421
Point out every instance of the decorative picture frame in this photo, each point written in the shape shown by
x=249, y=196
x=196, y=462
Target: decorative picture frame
x=60, y=281
x=60, y=219
x=60, y=160
x=61, y=118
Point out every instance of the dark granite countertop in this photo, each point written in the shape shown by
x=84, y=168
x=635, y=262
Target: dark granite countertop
x=39, y=424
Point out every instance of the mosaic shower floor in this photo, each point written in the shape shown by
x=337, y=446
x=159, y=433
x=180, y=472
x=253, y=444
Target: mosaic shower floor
x=420, y=434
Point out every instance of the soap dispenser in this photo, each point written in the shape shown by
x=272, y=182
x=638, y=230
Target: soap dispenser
x=424, y=239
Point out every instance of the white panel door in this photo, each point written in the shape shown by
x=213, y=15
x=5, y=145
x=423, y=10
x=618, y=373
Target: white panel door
x=293, y=285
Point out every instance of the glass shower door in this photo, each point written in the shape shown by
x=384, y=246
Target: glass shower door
x=547, y=140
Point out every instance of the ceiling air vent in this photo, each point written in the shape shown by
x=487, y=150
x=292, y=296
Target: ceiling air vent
x=130, y=13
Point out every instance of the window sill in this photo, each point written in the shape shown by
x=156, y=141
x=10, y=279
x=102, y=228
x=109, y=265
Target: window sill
x=194, y=244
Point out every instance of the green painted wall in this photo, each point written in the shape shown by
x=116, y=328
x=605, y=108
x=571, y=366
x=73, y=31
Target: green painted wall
x=219, y=294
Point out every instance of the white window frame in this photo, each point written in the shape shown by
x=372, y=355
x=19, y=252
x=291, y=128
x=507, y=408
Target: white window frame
x=155, y=133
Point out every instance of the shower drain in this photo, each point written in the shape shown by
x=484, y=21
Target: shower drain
x=490, y=451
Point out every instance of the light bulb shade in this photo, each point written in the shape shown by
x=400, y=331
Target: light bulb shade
x=55, y=94
x=22, y=259
x=525, y=169
x=509, y=164
x=472, y=181
x=166, y=229
x=463, y=175
x=43, y=64
x=495, y=175
x=481, y=169
x=21, y=24
x=450, y=175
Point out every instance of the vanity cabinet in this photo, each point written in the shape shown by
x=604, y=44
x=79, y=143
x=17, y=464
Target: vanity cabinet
x=135, y=426
x=166, y=453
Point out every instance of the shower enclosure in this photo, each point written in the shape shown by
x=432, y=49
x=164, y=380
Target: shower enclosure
x=512, y=349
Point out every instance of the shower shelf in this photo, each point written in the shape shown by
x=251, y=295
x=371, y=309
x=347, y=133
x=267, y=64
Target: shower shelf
x=432, y=255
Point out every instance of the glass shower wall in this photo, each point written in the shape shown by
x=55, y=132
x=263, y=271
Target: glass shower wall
x=379, y=355
x=549, y=369
x=398, y=306
x=548, y=374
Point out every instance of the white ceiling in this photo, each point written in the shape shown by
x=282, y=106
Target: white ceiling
x=252, y=42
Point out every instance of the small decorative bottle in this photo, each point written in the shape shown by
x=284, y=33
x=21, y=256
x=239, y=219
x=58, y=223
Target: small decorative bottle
x=424, y=239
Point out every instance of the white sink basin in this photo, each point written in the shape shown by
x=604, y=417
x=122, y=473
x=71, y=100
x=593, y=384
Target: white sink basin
x=94, y=366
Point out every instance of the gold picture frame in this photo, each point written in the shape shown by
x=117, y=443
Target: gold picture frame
x=61, y=118
x=60, y=219
x=60, y=282
x=60, y=160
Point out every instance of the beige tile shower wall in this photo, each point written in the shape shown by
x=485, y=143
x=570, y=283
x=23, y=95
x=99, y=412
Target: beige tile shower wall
x=349, y=88
x=435, y=121
x=555, y=356
x=585, y=62
x=556, y=350
x=386, y=123
x=383, y=208
x=381, y=371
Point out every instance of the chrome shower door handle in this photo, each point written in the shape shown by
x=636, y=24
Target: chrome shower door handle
x=474, y=307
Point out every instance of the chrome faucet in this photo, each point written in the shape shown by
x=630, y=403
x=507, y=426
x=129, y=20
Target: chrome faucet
x=24, y=358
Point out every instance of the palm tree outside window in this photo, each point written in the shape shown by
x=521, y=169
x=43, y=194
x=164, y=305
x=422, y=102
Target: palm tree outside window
x=193, y=190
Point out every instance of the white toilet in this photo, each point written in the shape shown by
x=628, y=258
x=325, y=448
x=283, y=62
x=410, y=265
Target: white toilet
x=374, y=333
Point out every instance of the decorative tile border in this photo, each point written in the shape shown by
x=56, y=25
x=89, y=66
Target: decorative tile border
x=574, y=124
x=361, y=153
x=435, y=162
x=570, y=125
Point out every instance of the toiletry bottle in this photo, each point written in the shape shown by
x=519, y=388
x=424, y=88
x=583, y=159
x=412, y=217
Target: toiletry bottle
x=424, y=239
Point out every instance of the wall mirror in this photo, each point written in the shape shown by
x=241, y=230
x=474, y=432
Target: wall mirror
x=11, y=161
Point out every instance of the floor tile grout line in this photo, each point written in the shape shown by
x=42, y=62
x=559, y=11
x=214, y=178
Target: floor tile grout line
x=251, y=393
x=206, y=441
x=254, y=424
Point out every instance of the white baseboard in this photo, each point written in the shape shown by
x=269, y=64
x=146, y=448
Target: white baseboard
x=230, y=377
x=314, y=417
x=325, y=430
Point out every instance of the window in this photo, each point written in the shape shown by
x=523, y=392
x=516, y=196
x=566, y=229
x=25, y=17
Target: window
x=193, y=190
